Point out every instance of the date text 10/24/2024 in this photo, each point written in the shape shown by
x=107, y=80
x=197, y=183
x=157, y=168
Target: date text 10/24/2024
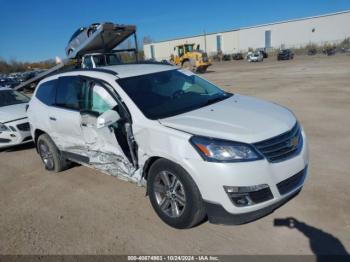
x=173, y=258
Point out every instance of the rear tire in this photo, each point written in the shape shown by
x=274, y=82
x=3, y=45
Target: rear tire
x=202, y=69
x=50, y=155
x=174, y=195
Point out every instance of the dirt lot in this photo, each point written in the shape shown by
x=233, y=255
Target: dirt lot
x=81, y=211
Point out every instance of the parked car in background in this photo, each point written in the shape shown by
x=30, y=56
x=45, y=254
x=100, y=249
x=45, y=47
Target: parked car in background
x=14, y=125
x=226, y=57
x=285, y=54
x=255, y=57
x=329, y=50
x=198, y=149
x=26, y=76
x=264, y=53
x=237, y=56
x=8, y=82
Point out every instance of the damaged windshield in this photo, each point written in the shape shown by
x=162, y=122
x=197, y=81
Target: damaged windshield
x=10, y=97
x=164, y=94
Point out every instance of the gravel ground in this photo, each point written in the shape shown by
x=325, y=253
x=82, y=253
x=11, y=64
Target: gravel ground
x=82, y=211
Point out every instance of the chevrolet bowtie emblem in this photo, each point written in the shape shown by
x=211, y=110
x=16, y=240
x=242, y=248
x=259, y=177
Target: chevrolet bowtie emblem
x=294, y=141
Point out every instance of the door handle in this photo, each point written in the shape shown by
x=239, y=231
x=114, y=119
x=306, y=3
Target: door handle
x=53, y=118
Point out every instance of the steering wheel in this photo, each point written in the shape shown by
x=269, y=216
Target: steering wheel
x=178, y=93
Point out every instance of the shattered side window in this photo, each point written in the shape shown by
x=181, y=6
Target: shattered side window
x=102, y=101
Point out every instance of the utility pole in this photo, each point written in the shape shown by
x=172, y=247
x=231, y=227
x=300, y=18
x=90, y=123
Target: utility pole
x=205, y=41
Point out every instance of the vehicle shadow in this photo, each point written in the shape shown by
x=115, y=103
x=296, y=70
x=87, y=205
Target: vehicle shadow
x=324, y=245
x=208, y=72
x=22, y=147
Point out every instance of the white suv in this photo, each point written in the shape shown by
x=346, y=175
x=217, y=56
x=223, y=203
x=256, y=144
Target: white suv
x=199, y=150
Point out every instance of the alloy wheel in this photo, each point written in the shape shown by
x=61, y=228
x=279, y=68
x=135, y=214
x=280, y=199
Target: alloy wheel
x=170, y=194
x=46, y=156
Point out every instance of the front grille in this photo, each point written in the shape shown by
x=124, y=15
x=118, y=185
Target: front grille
x=282, y=147
x=291, y=183
x=23, y=127
x=4, y=140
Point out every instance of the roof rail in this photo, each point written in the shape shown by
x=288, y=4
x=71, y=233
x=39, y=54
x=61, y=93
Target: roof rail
x=102, y=70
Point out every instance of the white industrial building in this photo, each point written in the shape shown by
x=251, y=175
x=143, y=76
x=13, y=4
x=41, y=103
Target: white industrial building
x=330, y=28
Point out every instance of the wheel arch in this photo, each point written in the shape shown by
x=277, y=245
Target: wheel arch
x=151, y=160
x=147, y=166
x=185, y=60
x=37, y=133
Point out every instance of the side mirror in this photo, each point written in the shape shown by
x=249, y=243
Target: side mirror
x=107, y=118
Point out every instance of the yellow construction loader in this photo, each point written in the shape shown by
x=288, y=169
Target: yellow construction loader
x=188, y=57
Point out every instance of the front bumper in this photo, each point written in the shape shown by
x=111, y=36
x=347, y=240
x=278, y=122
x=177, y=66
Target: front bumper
x=218, y=215
x=19, y=133
x=283, y=180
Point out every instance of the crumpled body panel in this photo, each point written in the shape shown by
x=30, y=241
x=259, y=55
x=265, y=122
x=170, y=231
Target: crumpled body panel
x=98, y=148
x=110, y=163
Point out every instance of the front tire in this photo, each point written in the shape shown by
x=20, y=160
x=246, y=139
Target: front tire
x=174, y=195
x=50, y=155
x=202, y=69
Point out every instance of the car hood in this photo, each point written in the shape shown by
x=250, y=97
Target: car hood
x=238, y=118
x=13, y=112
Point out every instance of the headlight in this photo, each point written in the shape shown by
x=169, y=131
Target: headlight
x=3, y=128
x=217, y=150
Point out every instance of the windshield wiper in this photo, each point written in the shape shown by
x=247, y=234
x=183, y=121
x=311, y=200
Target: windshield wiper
x=217, y=99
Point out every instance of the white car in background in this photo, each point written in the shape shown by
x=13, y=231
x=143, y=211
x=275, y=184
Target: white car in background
x=255, y=57
x=14, y=125
x=198, y=149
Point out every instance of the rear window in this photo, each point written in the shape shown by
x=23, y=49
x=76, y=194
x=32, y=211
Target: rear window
x=46, y=92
